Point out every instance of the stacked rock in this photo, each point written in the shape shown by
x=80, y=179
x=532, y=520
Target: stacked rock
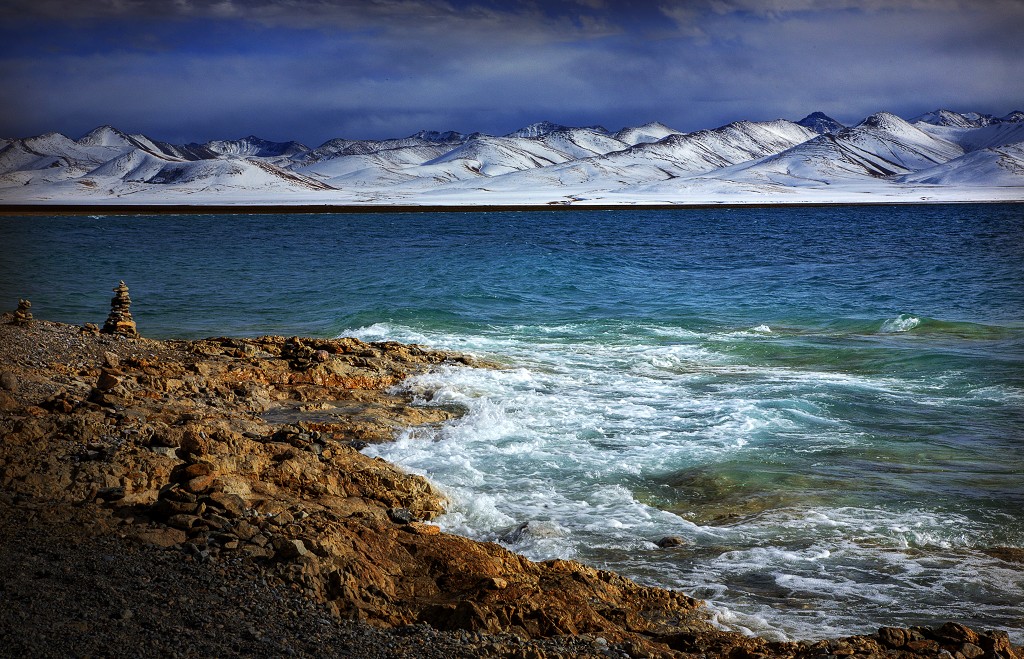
x=120, y=319
x=23, y=314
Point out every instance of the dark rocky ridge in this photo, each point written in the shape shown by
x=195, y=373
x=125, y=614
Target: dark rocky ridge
x=150, y=504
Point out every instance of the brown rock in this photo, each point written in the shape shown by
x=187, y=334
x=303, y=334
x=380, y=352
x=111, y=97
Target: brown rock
x=8, y=402
x=245, y=530
x=422, y=529
x=201, y=484
x=922, y=646
x=232, y=504
x=894, y=637
x=286, y=549
x=164, y=537
x=957, y=633
x=8, y=381
x=184, y=522
x=997, y=641
x=109, y=378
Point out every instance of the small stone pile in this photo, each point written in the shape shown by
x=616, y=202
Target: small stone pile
x=23, y=314
x=120, y=319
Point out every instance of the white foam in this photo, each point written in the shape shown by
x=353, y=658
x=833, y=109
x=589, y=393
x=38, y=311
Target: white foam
x=560, y=441
x=902, y=323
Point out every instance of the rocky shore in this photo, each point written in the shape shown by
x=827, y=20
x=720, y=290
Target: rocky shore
x=188, y=498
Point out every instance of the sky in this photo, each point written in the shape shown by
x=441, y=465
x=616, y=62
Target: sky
x=311, y=70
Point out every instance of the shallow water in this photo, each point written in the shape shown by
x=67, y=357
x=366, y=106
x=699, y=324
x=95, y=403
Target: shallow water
x=826, y=404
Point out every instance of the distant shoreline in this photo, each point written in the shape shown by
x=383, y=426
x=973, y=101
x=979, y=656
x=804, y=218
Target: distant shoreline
x=306, y=209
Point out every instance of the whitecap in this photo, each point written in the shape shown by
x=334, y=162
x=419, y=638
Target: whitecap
x=902, y=323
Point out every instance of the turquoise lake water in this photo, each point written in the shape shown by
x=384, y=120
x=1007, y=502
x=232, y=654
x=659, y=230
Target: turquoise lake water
x=826, y=404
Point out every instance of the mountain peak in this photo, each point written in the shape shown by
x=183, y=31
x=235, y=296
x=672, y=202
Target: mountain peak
x=821, y=123
x=886, y=121
x=943, y=117
x=648, y=133
x=255, y=146
x=105, y=135
x=539, y=129
x=437, y=136
x=952, y=119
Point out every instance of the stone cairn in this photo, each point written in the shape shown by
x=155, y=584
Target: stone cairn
x=23, y=314
x=120, y=319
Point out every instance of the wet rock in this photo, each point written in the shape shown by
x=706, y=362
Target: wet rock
x=401, y=516
x=894, y=637
x=671, y=541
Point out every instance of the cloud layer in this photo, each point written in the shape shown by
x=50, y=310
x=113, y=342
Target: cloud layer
x=316, y=69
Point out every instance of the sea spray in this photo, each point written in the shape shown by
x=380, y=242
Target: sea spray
x=611, y=445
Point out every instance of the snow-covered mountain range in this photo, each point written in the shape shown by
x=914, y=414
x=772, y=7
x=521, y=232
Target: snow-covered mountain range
x=938, y=156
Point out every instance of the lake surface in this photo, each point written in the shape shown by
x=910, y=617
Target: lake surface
x=825, y=404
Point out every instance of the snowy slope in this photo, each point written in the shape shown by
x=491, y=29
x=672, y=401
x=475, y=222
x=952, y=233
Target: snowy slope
x=372, y=169
x=494, y=156
x=108, y=136
x=823, y=160
x=952, y=119
x=942, y=156
x=135, y=165
x=706, y=150
x=903, y=146
x=342, y=147
x=1000, y=166
x=582, y=142
x=972, y=138
x=880, y=146
x=543, y=128
x=649, y=132
x=53, y=150
x=255, y=146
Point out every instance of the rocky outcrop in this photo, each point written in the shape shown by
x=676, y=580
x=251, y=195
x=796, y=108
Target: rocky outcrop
x=228, y=450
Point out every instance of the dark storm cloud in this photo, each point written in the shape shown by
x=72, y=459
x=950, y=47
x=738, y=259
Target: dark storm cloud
x=315, y=69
